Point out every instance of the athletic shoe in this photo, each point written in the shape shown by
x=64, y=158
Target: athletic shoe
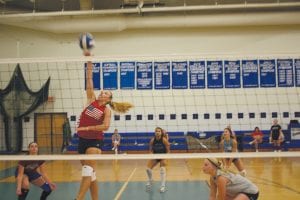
x=163, y=189
x=149, y=185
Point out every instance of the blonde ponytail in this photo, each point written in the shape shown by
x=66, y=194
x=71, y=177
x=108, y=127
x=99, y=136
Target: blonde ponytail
x=120, y=107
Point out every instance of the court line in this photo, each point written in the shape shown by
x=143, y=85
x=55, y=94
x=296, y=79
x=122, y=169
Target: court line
x=117, y=197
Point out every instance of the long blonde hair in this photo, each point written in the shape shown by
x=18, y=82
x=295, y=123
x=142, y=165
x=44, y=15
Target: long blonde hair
x=218, y=164
x=120, y=107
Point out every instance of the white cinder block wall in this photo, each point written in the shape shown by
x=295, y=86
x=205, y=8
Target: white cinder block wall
x=67, y=79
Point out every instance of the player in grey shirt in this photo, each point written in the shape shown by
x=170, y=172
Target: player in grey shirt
x=226, y=185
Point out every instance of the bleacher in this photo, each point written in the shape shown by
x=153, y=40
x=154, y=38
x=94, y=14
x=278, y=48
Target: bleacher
x=136, y=141
x=244, y=137
x=179, y=141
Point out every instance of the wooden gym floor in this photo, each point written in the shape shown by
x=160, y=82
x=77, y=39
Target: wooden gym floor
x=277, y=178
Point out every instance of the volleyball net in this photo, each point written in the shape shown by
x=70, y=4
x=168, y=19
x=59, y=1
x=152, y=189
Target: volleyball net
x=181, y=94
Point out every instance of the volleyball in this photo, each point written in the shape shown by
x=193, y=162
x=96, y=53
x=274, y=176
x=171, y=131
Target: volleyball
x=86, y=41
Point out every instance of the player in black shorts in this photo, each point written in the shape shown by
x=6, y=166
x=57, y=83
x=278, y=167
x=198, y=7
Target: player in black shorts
x=158, y=144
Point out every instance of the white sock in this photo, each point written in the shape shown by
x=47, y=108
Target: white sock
x=149, y=174
x=163, y=176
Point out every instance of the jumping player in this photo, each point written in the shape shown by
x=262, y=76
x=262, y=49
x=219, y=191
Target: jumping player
x=94, y=120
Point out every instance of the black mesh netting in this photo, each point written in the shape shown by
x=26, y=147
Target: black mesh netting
x=16, y=101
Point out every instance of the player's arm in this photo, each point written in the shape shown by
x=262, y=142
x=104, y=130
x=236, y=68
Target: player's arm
x=221, y=185
x=167, y=144
x=45, y=176
x=90, y=94
x=213, y=190
x=150, y=145
x=19, y=179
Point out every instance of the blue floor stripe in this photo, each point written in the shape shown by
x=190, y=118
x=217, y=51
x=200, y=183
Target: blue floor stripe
x=182, y=190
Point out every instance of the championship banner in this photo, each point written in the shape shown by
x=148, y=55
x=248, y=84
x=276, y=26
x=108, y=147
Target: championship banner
x=144, y=75
x=127, y=75
x=162, y=75
x=232, y=74
x=250, y=73
x=267, y=73
x=96, y=76
x=297, y=72
x=215, y=74
x=285, y=75
x=110, y=75
x=179, y=75
x=197, y=74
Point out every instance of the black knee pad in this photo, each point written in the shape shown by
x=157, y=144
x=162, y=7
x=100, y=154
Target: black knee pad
x=45, y=194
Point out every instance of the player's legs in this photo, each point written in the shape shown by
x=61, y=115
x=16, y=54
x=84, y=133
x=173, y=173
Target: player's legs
x=163, y=174
x=89, y=176
x=40, y=182
x=240, y=166
x=24, y=188
x=150, y=165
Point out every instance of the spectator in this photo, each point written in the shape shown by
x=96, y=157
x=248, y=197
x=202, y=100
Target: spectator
x=257, y=136
x=116, y=141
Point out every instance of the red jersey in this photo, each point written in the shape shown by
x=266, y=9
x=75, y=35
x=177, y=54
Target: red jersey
x=91, y=116
x=258, y=133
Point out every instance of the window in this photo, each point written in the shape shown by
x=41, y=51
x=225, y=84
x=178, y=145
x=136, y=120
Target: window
x=286, y=114
x=183, y=116
x=117, y=117
x=206, y=116
x=73, y=118
x=263, y=115
x=274, y=114
x=139, y=117
x=161, y=117
x=150, y=117
x=251, y=115
x=240, y=115
x=195, y=116
x=173, y=116
x=218, y=115
x=127, y=117
x=229, y=115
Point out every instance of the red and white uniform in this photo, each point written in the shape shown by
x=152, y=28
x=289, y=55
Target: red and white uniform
x=92, y=115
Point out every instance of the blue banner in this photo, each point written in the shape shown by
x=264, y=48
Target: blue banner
x=250, y=73
x=267, y=73
x=215, y=74
x=144, y=75
x=110, y=75
x=197, y=74
x=179, y=75
x=96, y=76
x=285, y=76
x=162, y=75
x=232, y=74
x=127, y=75
x=297, y=72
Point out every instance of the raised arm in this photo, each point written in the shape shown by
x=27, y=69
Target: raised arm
x=90, y=94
